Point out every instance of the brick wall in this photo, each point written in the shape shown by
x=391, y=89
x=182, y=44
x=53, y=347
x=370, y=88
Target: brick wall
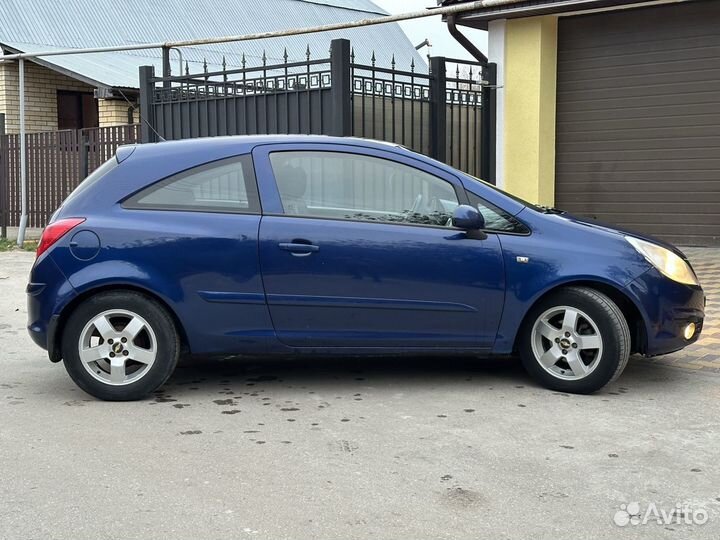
x=113, y=112
x=41, y=86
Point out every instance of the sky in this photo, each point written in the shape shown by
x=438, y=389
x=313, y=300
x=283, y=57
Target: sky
x=432, y=28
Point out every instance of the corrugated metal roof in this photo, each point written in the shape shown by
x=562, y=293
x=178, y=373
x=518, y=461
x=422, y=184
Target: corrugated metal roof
x=50, y=24
x=356, y=5
x=97, y=69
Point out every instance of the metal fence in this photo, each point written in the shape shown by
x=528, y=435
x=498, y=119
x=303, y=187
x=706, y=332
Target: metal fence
x=445, y=113
x=288, y=98
x=431, y=113
x=57, y=161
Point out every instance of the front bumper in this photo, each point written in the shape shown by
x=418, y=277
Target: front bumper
x=667, y=307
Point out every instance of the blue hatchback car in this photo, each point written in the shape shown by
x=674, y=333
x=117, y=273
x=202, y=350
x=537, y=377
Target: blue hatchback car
x=297, y=245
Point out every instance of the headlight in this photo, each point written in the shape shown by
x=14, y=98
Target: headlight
x=665, y=261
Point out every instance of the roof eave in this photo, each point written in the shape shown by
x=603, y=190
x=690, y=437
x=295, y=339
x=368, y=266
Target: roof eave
x=68, y=73
x=479, y=19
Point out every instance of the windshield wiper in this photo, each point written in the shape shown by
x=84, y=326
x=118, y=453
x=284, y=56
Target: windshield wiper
x=550, y=209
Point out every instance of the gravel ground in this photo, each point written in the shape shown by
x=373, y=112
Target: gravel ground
x=350, y=449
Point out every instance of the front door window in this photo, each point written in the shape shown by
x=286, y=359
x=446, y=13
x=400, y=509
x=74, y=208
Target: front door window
x=338, y=185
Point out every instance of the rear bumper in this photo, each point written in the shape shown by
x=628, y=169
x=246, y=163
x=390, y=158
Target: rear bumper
x=47, y=293
x=667, y=308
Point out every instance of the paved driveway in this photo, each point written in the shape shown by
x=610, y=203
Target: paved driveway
x=357, y=449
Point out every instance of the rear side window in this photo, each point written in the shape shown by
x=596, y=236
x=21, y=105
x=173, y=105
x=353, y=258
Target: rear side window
x=227, y=185
x=93, y=178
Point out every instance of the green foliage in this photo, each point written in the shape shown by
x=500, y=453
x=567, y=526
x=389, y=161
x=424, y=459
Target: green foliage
x=8, y=244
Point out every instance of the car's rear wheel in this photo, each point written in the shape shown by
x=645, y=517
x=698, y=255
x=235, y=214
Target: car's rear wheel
x=575, y=340
x=120, y=345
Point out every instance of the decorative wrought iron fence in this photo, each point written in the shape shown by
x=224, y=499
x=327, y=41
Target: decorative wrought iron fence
x=291, y=97
x=464, y=128
x=430, y=113
x=445, y=113
x=391, y=104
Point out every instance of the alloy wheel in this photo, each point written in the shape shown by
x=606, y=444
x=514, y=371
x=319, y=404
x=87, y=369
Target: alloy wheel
x=117, y=347
x=566, y=343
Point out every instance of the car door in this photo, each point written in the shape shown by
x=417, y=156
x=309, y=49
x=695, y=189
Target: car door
x=356, y=251
x=196, y=234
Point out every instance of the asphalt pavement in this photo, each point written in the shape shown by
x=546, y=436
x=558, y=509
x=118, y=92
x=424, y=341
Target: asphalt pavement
x=328, y=449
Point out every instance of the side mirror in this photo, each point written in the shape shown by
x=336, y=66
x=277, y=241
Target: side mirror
x=468, y=218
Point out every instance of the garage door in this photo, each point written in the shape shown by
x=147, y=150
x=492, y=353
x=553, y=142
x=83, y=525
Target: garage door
x=638, y=121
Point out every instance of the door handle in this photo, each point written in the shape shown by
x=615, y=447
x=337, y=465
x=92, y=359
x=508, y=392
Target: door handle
x=299, y=249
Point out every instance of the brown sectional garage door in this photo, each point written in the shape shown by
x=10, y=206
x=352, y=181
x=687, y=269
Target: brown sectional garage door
x=638, y=121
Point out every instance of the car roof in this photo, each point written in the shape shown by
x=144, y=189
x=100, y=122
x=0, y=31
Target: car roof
x=172, y=156
x=144, y=164
x=245, y=143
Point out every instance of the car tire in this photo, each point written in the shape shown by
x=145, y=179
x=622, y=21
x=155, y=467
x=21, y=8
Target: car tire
x=575, y=340
x=120, y=345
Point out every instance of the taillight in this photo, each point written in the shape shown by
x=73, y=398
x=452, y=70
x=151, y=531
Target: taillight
x=55, y=231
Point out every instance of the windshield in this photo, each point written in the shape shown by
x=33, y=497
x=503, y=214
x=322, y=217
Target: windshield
x=535, y=207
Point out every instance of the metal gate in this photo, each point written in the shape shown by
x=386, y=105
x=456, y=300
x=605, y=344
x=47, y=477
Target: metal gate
x=445, y=113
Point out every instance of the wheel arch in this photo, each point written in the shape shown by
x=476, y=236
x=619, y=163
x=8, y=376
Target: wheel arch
x=55, y=344
x=629, y=309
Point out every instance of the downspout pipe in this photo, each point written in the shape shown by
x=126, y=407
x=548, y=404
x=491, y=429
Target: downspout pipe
x=489, y=102
x=464, y=41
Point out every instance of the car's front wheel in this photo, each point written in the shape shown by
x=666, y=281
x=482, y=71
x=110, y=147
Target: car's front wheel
x=120, y=345
x=575, y=340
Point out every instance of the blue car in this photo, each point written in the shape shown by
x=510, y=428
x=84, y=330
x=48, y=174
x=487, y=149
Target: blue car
x=309, y=245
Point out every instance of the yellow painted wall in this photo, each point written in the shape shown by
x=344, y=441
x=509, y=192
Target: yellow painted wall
x=530, y=95
x=114, y=112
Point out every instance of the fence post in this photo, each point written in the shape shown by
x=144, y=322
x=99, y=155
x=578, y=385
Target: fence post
x=488, y=119
x=438, y=109
x=147, y=116
x=3, y=180
x=341, y=88
x=84, y=144
x=166, y=70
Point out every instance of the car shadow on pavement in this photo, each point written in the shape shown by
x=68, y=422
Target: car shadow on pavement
x=344, y=373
